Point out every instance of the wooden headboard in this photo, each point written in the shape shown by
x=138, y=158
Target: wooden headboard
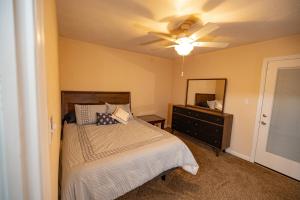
x=70, y=98
x=201, y=97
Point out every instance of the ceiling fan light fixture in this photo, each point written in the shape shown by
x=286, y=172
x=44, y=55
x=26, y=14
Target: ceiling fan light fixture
x=184, y=46
x=184, y=49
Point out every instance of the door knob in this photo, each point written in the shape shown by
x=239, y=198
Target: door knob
x=263, y=123
x=264, y=115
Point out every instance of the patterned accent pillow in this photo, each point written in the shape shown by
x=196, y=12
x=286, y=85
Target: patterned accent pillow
x=86, y=114
x=105, y=119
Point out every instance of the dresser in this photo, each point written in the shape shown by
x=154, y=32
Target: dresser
x=210, y=127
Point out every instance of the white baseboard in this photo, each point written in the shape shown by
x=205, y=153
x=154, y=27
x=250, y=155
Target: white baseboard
x=242, y=156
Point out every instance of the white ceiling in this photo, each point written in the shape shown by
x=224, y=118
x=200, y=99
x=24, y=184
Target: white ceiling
x=121, y=23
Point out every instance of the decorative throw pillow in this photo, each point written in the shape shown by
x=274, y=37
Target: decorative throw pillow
x=211, y=104
x=86, y=114
x=121, y=115
x=112, y=107
x=105, y=119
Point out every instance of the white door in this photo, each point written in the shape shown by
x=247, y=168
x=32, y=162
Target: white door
x=278, y=145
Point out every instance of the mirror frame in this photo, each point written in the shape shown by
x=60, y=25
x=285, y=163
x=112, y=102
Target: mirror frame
x=187, y=90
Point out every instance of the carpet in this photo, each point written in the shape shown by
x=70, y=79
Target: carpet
x=223, y=177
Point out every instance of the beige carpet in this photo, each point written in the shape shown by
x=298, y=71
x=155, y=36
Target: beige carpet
x=223, y=177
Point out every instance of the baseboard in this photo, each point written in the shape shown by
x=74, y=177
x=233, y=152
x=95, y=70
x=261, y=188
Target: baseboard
x=242, y=156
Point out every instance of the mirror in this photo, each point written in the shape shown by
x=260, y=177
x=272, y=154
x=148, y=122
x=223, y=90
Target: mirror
x=206, y=93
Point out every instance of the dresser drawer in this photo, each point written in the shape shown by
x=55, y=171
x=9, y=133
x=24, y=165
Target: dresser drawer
x=182, y=123
x=208, y=138
x=199, y=115
x=207, y=117
x=211, y=134
x=215, y=119
x=188, y=112
x=182, y=111
x=215, y=135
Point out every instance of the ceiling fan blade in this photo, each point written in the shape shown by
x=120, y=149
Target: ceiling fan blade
x=142, y=27
x=210, y=5
x=170, y=46
x=168, y=18
x=150, y=25
x=163, y=35
x=195, y=27
x=211, y=44
x=152, y=42
x=161, y=42
x=205, y=30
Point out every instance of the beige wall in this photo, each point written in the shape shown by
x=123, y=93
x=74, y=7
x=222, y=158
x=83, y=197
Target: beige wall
x=242, y=67
x=53, y=88
x=90, y=67
x=220, y=84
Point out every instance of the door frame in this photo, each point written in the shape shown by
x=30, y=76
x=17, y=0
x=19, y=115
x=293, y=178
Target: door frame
x=266, y=62
x=25, y=151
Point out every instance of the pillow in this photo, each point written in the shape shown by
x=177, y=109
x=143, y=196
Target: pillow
x=112, y=107
x=121, y=115
x=219, y=105
x=105, y=119
x=203, y=104
x=70, y=117
x=86, y=114
x=211, y=104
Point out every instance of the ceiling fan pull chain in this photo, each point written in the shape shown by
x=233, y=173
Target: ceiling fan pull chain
x=182, y=66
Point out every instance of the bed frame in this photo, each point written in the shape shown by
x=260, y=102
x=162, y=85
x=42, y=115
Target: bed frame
x=70, y=98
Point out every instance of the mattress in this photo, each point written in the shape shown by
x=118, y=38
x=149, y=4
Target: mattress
x=105, y=162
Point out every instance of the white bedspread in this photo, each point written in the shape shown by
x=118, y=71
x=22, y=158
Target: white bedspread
x=105, y=162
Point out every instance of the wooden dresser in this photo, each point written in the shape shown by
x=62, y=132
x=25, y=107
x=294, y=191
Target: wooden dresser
x=210, y=127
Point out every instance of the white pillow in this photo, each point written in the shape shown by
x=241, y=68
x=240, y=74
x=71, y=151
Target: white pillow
x=120, y=115
x=211, y=104
x=112, y=107
x=86, y=114
x=219, y=105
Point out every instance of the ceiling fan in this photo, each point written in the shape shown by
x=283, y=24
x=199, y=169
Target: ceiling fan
x=187, y=34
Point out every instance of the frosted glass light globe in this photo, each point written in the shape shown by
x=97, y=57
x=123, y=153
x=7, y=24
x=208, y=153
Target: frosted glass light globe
x=184, y=46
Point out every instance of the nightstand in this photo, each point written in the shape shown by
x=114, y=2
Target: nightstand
x=153, y=119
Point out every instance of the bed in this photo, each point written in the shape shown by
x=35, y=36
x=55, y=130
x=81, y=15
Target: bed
x=107, y=161
x=202, y=98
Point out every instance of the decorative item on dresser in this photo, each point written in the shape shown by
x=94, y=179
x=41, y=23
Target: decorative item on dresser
x=213, y=128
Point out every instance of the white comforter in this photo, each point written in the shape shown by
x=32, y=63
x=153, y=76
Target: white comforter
x=105, y=162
